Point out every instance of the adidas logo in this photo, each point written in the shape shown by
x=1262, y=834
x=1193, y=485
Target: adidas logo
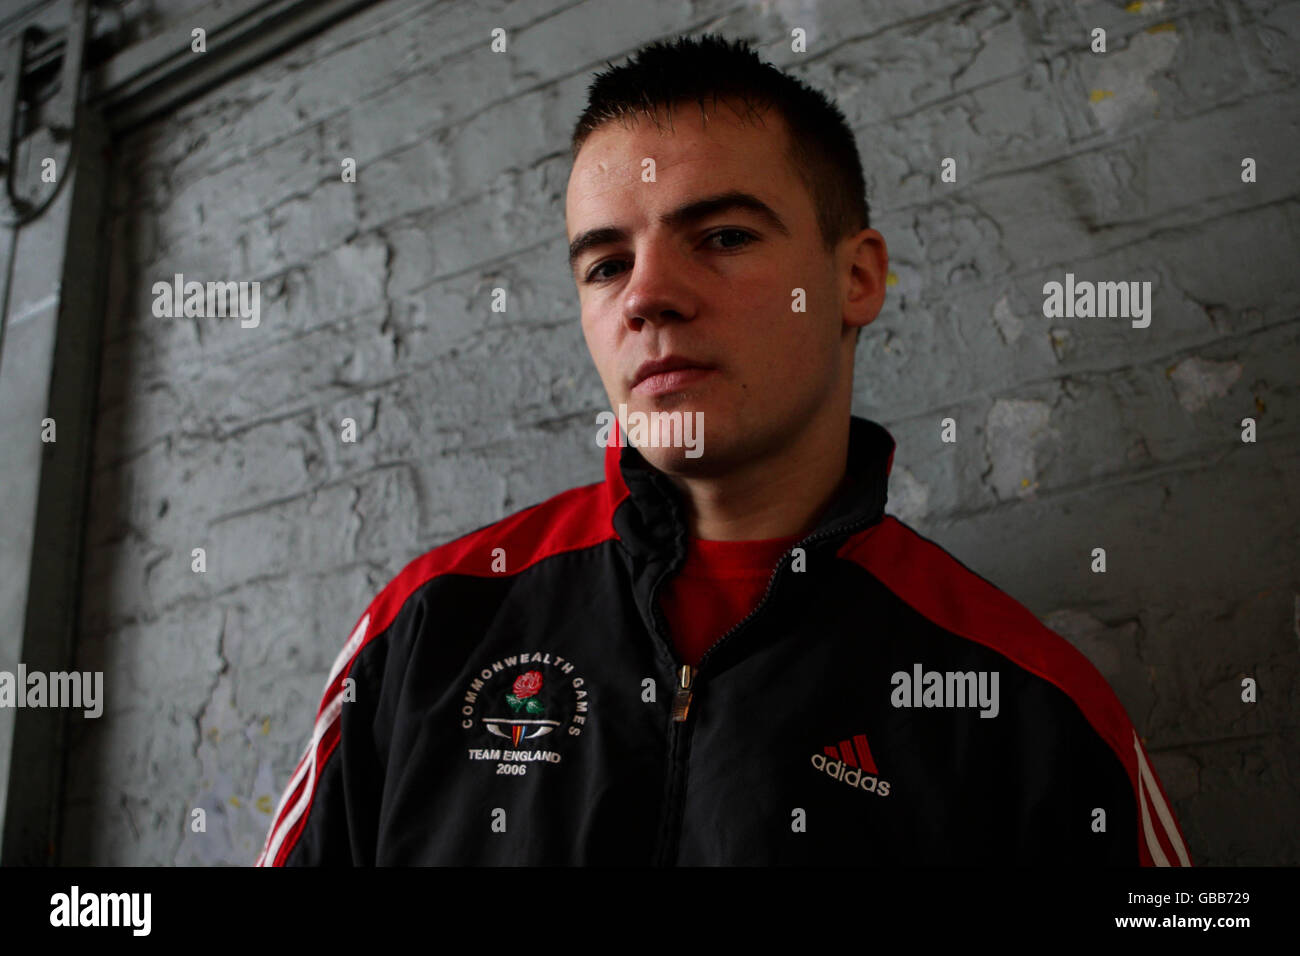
x=850, y=762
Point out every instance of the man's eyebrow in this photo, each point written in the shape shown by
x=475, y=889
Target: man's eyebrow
x=691, y=212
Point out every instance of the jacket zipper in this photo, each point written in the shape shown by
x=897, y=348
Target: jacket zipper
x=682, y=695
x=687, y=685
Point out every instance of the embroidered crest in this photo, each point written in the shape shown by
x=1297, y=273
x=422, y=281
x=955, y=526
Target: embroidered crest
x=520, y=699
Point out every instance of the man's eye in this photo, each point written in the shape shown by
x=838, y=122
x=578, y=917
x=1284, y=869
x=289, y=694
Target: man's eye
x=595, y=274
x=733, y=232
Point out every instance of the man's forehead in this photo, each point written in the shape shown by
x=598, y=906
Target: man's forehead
x=622, y=166
x=613, y=151
x=719, y=148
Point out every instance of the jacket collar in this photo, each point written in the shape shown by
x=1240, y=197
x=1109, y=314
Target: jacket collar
x=649, y=516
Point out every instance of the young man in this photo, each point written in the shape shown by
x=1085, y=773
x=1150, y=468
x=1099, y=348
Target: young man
x=725, y=652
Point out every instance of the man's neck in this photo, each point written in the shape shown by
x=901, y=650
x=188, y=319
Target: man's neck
x=773, y=497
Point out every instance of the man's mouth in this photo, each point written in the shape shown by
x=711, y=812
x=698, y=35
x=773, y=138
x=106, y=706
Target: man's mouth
x=669, y=374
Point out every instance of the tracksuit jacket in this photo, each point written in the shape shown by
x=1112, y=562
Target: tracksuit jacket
x=513, y=697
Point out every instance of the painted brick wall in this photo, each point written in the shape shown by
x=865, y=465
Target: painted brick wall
x=1072, y=433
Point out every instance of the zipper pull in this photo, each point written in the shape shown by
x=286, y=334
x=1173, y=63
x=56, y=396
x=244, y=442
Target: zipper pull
x=682, y=695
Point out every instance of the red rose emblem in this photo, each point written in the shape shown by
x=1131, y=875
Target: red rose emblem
x=526, y=685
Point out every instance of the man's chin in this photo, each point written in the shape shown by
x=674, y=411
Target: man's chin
x=699, y=459
x=675, y=461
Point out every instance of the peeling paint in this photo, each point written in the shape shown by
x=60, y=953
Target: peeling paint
x=1120, y=88
x=1009, y=325
x=1013, y=431
x=1197, y=381
x=1062, y=343
x=909, y=498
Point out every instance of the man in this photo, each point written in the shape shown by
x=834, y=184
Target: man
x=725, y=652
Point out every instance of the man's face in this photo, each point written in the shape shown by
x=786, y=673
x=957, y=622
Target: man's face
x=713, y=287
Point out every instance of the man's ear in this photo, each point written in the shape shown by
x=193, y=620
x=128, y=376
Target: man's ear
x=869, y=265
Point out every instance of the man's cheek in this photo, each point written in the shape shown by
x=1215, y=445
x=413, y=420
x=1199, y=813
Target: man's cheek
x=596, y=336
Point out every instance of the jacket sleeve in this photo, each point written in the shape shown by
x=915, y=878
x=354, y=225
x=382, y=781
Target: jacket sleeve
x=329, y=812
x=1160, y=839
x=1091, y=796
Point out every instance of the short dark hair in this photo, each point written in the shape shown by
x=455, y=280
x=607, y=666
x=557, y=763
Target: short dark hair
x=821, y=150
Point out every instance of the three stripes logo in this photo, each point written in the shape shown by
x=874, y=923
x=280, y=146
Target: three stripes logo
x=291, y=815
x=850, y=762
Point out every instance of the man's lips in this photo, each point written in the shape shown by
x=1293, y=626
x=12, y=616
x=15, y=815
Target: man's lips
x=661, y=383
x=668, y=363
x=667, y=374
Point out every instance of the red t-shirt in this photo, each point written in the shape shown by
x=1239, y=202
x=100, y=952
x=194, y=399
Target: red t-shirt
x=717, y=587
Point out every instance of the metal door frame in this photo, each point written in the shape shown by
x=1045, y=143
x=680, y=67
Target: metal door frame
x=54, y=252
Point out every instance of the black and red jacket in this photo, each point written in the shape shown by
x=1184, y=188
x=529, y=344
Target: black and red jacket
x=512, y=697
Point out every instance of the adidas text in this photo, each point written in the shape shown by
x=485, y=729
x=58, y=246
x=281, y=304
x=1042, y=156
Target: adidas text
x=854, y=777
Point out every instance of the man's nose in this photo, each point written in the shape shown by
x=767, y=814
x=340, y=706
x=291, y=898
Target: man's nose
x=659, y=286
